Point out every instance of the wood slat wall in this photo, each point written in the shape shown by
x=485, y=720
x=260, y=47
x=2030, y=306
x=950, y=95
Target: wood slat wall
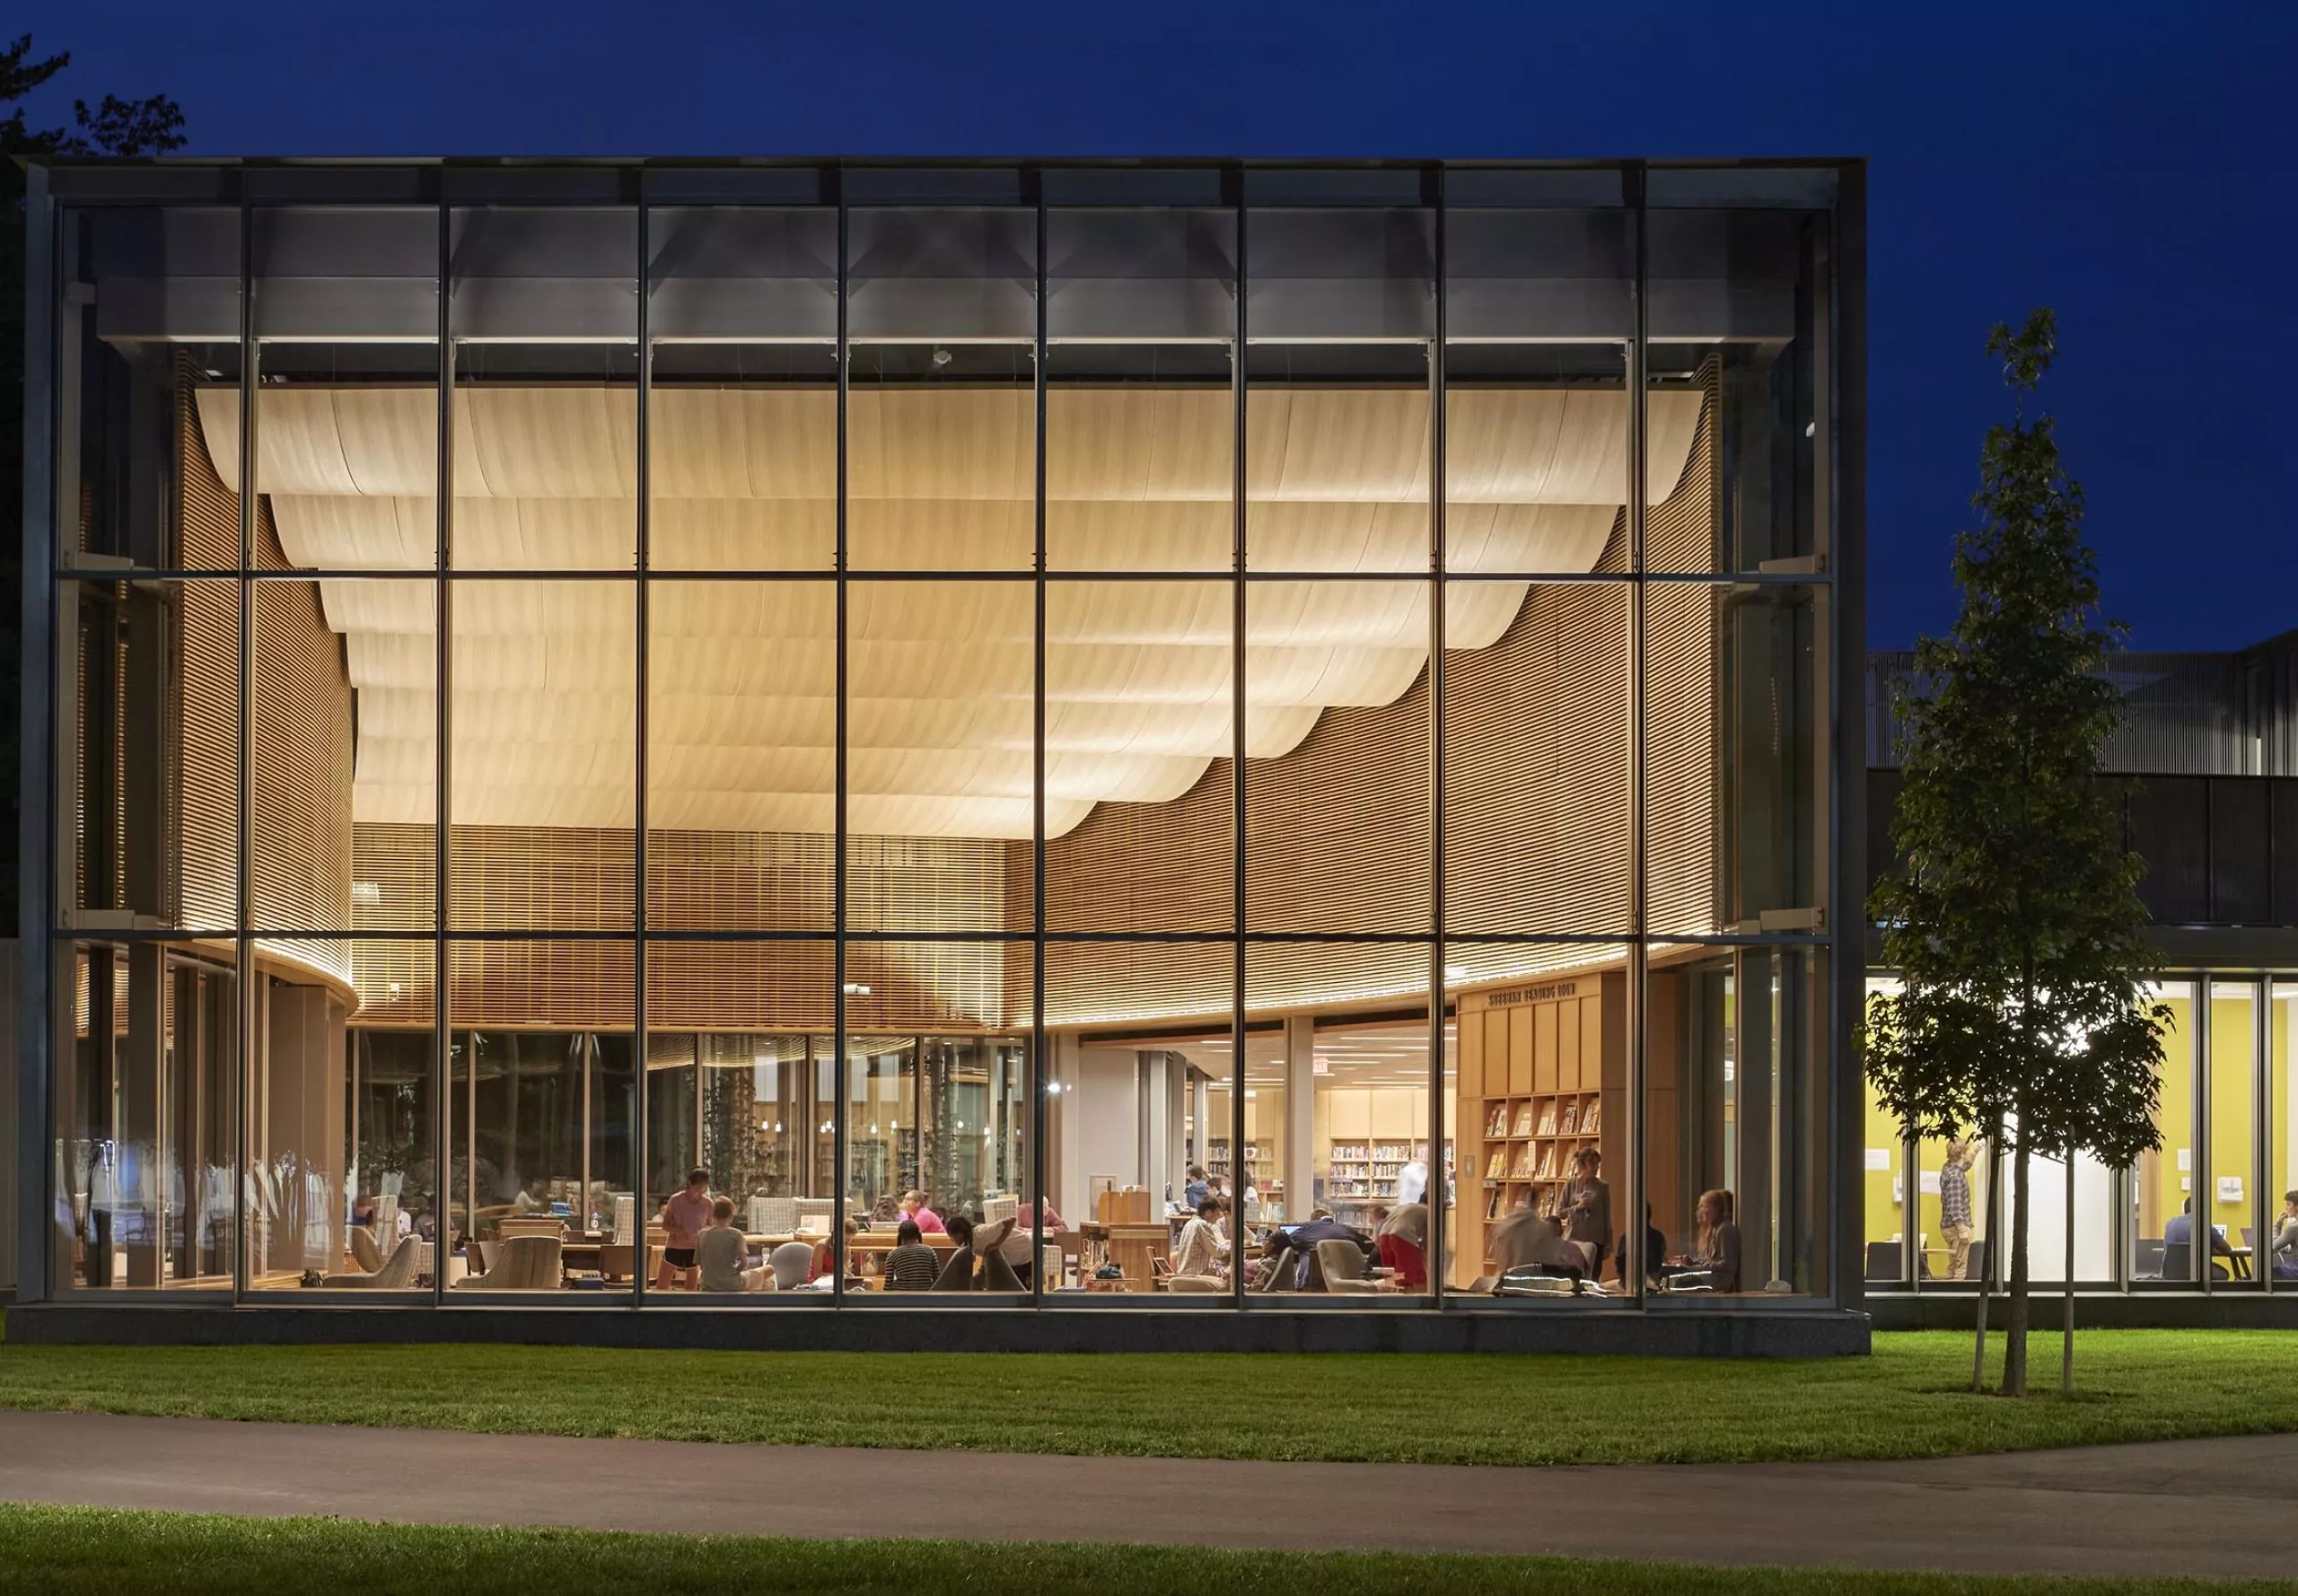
x=1537, y=740
x=207, y=753
x=1682, y=716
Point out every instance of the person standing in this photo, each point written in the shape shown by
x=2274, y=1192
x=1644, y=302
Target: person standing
x=1588, y=1209
x=683, y=1214
x=1955, y=1208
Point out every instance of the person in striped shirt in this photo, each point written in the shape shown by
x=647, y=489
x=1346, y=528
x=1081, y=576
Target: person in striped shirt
x=910, y=1264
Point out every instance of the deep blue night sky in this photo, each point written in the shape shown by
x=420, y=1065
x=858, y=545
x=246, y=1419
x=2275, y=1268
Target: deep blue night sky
x=2131, y=165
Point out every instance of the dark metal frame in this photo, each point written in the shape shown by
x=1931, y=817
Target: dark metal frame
x=448, y=186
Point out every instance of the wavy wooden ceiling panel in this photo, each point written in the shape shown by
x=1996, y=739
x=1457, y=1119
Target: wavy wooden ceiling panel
x=940, y=675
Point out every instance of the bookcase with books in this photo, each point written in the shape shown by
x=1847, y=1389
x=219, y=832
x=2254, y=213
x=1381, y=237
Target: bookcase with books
x=1543, y=1073
x=1260, y=1160
x=1361, y=1174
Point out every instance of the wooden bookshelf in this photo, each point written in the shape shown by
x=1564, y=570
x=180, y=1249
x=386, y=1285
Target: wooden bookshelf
x=1360, y=1174
x=1260, y=1160
x=1543, y=1073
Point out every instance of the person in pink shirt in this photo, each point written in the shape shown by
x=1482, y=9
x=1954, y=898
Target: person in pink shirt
x=683, y=1215
x=929, y=1222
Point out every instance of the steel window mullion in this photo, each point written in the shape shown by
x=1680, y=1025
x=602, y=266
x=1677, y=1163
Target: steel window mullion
x=2198, y=1232
x=1239, y=397
x=2262, y=1215
x=244, y=817
x=1438, y=1159
x=1910, y=1208
x=1036, y=1072
x=442, y=1035
x=839, y=816
x=1634, y=1044
x=639, y=1254
x=39, y=803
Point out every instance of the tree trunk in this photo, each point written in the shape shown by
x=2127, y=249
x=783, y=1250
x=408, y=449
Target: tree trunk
x=2014, y=1330
x=1978, y=1347
x=2066, y=1332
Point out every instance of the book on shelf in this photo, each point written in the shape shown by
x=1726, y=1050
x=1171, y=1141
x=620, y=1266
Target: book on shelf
x=1499, y=1163
x=1491, y=1204
x=1523, y=1162
x=1547, y=1120
x=1547, y=1163
x=1524, y=1119
x=1593, y=1120
x=1571, y=1119
x=1495, y=1123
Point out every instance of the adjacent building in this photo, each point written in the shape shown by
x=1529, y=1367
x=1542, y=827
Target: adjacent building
x=2206, y=760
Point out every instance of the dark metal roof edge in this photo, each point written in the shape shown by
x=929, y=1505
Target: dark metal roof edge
x=962, y=163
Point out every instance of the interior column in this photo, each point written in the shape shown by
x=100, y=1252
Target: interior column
x=1299, y=1157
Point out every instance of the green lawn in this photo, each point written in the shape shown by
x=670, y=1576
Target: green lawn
x=1909, y=1400
x=60, y=1551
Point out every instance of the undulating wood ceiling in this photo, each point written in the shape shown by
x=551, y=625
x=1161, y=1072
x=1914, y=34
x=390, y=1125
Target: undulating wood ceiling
x=742, y=712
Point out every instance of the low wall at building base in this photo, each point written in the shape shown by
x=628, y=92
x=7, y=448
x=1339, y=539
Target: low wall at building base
x=2094, y=1311
x=1820, y=1334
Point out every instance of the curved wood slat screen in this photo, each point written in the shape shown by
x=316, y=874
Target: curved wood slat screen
x=207, y=761
x=1537, y=737
x=1682, y=740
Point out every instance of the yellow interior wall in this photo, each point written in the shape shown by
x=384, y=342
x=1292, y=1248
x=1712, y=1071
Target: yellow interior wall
x=1883, y=1215
x=2231, y=1024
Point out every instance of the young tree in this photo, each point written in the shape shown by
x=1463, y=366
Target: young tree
x=2013, y=914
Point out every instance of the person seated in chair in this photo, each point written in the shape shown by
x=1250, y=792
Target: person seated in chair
x=2285, y=1239
x=911, y=1265
x=1301, y=1241
x=1203, y=1249
x=2179, y=1232
x=721, y=1254
x=1655, y=1252
x=1714, y=1260
x=1526, y=1242
x=824, y=1268
x=914, y=1208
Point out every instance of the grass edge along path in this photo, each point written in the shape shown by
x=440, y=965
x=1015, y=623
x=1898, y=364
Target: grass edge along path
x=80, y=1551
x=1907, y=1400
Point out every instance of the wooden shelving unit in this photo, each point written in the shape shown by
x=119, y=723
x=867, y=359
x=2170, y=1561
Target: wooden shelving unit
x=1542, y=1074
x=1260, y=1160
x=1360, y=1174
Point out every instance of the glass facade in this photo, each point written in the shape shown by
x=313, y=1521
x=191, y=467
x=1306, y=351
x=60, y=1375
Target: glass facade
x=1228, y=735
x=2207, y=1212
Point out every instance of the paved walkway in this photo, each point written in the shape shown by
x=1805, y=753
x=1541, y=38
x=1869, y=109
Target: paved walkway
x=2190, y=1507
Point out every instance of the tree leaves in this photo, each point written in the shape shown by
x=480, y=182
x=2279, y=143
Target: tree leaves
x=2013, y=918
x=116, y=127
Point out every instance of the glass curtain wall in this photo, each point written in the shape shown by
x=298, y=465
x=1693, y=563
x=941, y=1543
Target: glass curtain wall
x=1000, y=695
x=2207, y=1211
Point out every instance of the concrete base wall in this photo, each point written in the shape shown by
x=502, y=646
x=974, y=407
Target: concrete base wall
x=2174, y=1311
x=954, y=1329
